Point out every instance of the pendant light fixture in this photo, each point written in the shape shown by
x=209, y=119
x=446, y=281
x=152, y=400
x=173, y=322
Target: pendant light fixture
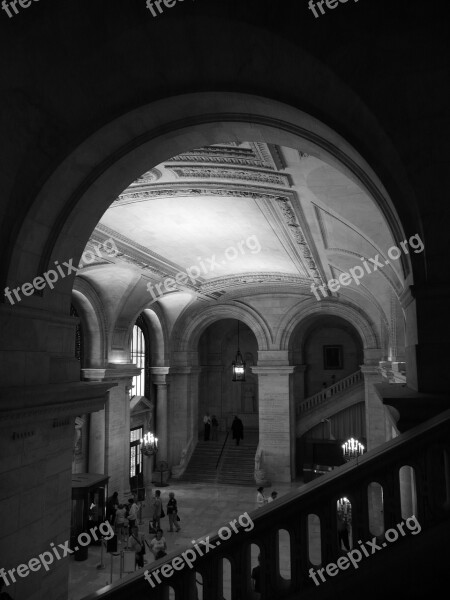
x=238, y=364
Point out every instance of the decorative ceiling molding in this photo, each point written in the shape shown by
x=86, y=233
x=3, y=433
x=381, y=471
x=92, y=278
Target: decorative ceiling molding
x=220, y=283
x=135, y=254
x=322, y=225
x=290, y=218
x=204, y=172
x=177, y=190
x=258, y=155
x=148, y=177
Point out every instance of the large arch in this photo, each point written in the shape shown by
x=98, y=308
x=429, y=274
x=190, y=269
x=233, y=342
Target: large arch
x=311, y=309
x=82, y=188
x=190, y=328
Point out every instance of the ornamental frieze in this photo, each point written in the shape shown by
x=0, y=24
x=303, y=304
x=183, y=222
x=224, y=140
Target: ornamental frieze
x=194, y=172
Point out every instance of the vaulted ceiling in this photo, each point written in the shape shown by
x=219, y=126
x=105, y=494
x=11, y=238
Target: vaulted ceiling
x=248, y=215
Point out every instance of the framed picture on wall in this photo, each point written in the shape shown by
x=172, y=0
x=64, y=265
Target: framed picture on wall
x=333, y=357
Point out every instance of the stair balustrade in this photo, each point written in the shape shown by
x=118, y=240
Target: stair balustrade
x=425, y=449
x=327, y=393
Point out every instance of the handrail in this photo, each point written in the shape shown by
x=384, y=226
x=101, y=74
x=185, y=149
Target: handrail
x=425, y=449
x=329, y=392
x=221, y=452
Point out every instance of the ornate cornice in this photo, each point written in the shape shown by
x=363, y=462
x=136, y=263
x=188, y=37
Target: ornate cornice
x=176, y=190
x=148, y=177
x=220, y=283
x=296, y=231
x=258, y=155
x=204, y=172
x=31, y=404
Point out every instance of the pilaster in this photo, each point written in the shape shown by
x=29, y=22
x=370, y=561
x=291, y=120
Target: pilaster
x=276, y=421
x=110, y=428
x=376, y=420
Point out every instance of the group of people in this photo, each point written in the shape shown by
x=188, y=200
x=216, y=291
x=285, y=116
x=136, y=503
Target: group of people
x=125, y=516
x=211, y=426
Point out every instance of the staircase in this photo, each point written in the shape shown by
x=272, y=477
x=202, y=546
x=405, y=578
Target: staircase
x=202, y=466
x=238, y=465
x=330, y=393
x=329, y=401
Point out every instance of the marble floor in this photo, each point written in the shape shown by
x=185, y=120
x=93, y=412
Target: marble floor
x=202, y=508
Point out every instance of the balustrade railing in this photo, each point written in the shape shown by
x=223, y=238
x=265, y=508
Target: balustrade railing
x=329, y=392
x=306, y=523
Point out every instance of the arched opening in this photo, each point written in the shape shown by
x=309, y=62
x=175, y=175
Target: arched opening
x=314, y=540
x=344, y=524
x=74, y=206
x=219, y=395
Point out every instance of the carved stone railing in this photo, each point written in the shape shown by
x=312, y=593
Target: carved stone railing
x=425, y=449
x=329, y=392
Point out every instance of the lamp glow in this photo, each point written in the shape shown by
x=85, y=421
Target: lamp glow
x=352, y=449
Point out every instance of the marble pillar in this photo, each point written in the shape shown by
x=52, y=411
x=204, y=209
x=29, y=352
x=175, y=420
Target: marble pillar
x=159, y=378
x=276, y=416
x=183, y=410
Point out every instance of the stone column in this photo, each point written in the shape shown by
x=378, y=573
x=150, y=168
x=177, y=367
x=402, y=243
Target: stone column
x=183, y=410
x=148, y=475
x=96, y=451
x=113, y=426
x=159, y=378
x=376, y=420
x=276, y=416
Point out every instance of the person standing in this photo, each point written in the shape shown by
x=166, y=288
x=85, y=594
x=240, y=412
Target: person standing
x=119, y=523
x=256, y=578
x=342, y=528
x=207, y=424
x=172, y=512
x=133, y=510
x=157, y=510
x=237, y=427
x=111, y=507
x=136, y=543
x=214, y=428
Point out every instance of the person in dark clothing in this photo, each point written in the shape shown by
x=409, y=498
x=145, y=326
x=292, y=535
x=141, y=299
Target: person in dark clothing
x=207, y=424
x=342, y=528
x=256, y=578
x=237, y=427
x=111, y=507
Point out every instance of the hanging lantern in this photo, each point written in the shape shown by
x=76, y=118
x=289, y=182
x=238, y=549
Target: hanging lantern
x=238, y=364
